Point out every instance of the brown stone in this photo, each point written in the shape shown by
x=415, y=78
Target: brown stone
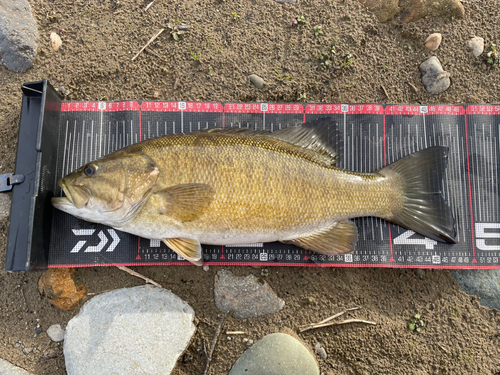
x=384, y=10
x=414, y=10
x=58, y=285
x=433, y=41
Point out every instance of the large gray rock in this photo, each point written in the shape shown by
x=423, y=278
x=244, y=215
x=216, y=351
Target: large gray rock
x=482, y=283
x=141, y=330
x=276, y=354
x=434, y=78
x=245, y=295
x=18, y=35
x=7, y=368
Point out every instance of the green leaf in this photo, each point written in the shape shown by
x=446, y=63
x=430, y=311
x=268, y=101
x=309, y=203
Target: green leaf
x=417, y=316
x=418, y=330
x=411, y=327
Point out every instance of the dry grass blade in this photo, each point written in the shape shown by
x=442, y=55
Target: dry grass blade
x=214, y=342
x=328, y=321
x=137, y=274
x=148, y=43
x=235, y=333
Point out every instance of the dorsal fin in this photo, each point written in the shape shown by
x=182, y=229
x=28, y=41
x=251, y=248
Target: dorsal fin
x=320, y=138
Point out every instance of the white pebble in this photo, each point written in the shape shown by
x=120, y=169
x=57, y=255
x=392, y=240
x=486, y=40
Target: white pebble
x=476, y=45
x=55, y=332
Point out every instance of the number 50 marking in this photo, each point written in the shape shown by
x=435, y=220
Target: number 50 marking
x=482, y=235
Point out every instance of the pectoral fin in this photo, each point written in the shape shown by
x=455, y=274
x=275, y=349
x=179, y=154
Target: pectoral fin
x=185, y=202
x=187, y=248
x=340, y=238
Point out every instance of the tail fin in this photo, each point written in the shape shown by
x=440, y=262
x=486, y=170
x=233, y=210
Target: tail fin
x=424, y=209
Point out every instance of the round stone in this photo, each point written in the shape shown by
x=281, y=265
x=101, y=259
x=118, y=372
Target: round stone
x=276, y=354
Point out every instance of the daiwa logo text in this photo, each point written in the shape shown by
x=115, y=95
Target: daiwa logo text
x=96, y=248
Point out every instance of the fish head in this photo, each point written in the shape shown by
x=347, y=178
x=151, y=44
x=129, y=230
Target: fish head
x=110, y=190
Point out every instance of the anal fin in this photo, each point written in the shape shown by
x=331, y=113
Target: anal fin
x=187, y=248
x=340, y=238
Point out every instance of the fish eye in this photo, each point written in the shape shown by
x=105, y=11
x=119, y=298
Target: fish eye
x=90, y=170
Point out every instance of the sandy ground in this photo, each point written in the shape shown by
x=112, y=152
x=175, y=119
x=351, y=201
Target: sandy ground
x=99, y=39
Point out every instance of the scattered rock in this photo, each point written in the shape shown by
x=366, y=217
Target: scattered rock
x=55, y=333
x=476, y=45
x=434, y=78
x=482, y=283
x=247, y=295
x=249, y=343
x=7, y=368
x=5, y=200
x=286, y=1
x=276, y=354
x=55, y=41
x=27, y=350
x=58, y=286
x=433, y=41
x=414, y=10
x=320, y=351
x=141, y=330
x=18, y=35
x=256, y=80
x=384, y=10
x=51, y=353
x=420, y=273
x=206, y=267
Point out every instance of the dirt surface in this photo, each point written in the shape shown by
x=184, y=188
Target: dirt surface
x=99, y=39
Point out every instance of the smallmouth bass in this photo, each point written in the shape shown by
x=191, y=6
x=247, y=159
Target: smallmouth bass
x=238, y=186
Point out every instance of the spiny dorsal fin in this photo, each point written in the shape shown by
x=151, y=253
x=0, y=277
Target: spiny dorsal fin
x=319, y=138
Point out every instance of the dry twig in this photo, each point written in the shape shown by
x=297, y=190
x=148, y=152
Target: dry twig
x=149, y=5
x=214, y=341
x=137, y=274
x=235, y=333
x=148, y=43
x=413, y=87
x=177, y=81
x=328, y=321
x=155, y=54
x=385, y=92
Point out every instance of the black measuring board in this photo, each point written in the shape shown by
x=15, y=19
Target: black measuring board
x=372, y=136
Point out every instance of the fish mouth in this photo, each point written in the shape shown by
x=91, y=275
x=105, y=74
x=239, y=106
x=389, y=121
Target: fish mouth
x=77, y=196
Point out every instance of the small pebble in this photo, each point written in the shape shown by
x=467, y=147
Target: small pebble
x=229, y=338
x=17, y=345
x=55, y=41
x=183, y=26
x=476, y=45
x=433, y=41
x=249, y=343
x=320, y=351
x=55, y=332
x=256, y=80
x=27, y=350
x=206, y=267
x=38, y=330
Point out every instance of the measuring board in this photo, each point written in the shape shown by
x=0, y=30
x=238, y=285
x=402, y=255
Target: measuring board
x=373, y=136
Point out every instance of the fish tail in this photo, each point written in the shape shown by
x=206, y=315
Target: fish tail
x=422, y=208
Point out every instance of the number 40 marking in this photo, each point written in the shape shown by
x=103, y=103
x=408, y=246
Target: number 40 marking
x=404, y=239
